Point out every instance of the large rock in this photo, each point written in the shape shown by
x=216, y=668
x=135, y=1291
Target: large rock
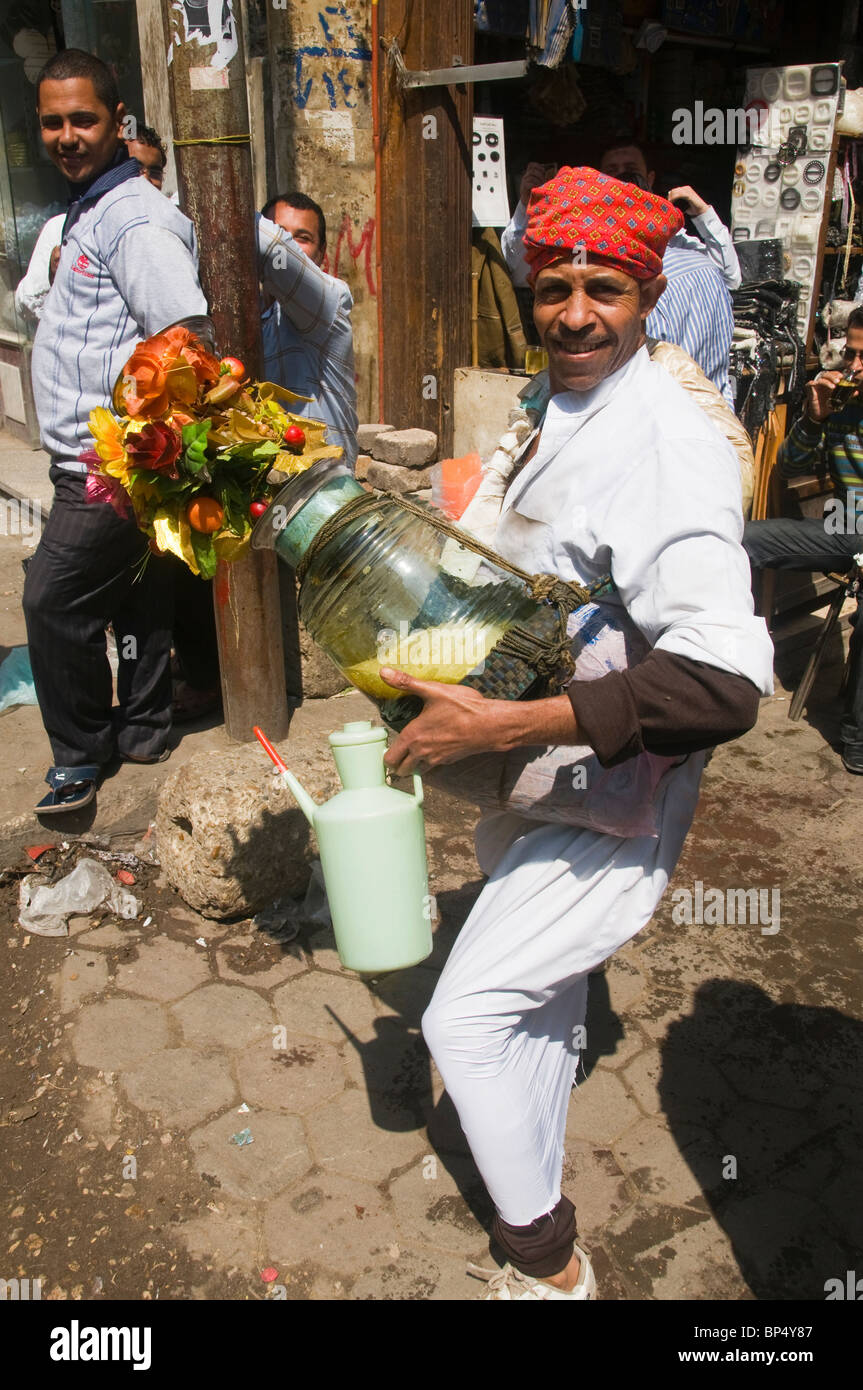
x=231, y=838
x=406, y=448
x=321, y=677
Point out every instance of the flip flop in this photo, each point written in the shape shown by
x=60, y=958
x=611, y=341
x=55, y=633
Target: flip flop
x=71, y=788
x=159, y=757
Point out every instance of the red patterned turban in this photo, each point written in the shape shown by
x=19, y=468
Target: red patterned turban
x=617, y=223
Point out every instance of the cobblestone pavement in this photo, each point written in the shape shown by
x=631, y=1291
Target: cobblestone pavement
x=250, y=1106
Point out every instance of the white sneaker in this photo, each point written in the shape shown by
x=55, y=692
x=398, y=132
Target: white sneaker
x=510, y=1283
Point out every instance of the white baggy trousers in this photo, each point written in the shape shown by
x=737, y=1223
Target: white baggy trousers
x=503, y=1023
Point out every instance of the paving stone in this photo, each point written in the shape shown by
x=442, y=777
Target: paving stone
x=109, y=936
x=396, y=1064
x=443, y=1205
x=656, y=1010
x=367, y=434
x=651, y=1157
x=277, y=1156
x=230, y=1235
x=405, y=994
x=624, y=982
x=421, y=1276
x=785, y=1248
x=389, y=477
x=762, y=1137
x=687, y=1088
x=307, y=1006
x=119, y=1032
x=192, y=924
x=360, y=1136
x=336, y=1222
x=252, y=958
x=226, y=1016
x=681, y=963
x=296, y=1078
x=596, y=1183
x=600, y=1109
x=671, y=1253
x=82, y=973
x=182, y=1086
x=165, y=969
x=406, y=448
x=320, y=948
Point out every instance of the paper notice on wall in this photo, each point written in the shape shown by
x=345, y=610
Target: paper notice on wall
x=490, y=198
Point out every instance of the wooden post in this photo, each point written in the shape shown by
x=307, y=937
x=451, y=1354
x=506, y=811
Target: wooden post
x=207, y=78
x=425, y=232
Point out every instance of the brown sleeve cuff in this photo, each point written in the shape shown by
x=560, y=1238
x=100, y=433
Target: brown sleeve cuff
x=667, y=704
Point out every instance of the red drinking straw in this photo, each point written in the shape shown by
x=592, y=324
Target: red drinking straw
x=268, y=748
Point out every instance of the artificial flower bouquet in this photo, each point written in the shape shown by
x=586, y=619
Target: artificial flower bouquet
x=190, y=447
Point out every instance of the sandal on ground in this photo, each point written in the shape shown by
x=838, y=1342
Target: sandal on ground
x=158, y=758
x=510, y=1283
x=71, y=789
x=190, y=703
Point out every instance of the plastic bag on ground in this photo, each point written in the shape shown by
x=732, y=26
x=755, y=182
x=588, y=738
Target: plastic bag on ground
x=16, y=680
x=283, y=918
x=45, y=909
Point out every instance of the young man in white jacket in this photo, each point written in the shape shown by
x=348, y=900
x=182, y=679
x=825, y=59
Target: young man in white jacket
x=625, y=475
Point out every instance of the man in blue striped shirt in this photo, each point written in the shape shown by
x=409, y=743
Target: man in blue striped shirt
x=695, y=310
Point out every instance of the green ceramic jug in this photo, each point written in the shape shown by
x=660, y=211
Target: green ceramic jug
x=373, y=856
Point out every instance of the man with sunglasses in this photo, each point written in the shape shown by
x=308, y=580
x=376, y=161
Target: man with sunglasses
x=829, y=435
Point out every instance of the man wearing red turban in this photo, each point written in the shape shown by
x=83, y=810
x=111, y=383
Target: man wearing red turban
x=625, y=474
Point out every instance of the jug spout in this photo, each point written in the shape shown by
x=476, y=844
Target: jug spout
x=308, y=807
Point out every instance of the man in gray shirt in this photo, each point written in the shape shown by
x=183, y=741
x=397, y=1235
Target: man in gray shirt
x=128, y=268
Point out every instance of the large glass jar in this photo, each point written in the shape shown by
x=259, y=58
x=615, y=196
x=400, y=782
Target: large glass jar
x=387, y=588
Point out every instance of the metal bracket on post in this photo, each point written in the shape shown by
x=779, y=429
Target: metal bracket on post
x=454, y=76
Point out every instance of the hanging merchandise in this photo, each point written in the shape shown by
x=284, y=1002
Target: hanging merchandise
x=550, y=30
x=490, y=198
x=767, y=343
x=781, y=191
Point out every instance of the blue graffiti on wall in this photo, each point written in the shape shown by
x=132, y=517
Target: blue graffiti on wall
x=336, y=80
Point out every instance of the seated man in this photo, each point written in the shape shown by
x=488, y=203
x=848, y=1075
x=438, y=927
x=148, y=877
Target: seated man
x=306, y=323
x=695, y=311
x=832, y=437
x=625, y=475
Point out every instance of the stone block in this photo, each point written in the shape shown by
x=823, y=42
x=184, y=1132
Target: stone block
x=600, y=1110
x=367, y=434
x=180, y=1085
x=329, y=1007
x=335, y=1222
x=390, y=477
x=165, y=969
x=294, y=1078
x=407, y=448
x=361, y=468
x=225, y=1016
x=276, y=1157
x=231, y=837
x=119, y=1033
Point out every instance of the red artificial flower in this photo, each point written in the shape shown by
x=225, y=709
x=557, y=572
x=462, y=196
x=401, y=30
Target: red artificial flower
x=157, y=448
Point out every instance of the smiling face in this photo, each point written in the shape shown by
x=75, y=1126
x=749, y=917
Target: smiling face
x=79, y=133
x=590, y=319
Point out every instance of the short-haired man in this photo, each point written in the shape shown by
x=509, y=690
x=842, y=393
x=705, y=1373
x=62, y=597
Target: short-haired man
x=695, y=312
x=128, y=267
x=625, y=475
x=32, y=291
x=827, y=436
x=306, y=325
